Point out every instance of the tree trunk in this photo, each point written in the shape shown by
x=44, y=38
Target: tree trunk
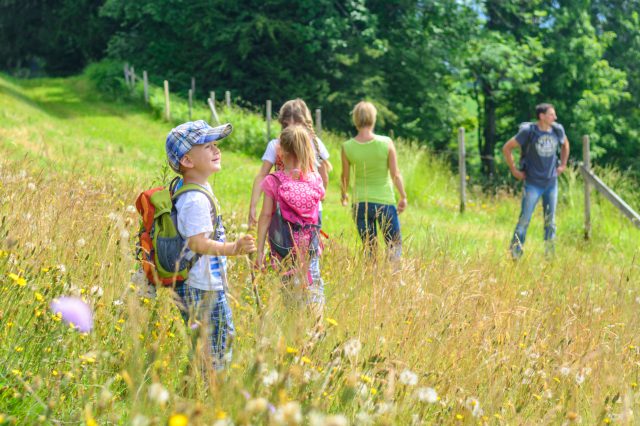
x=486, y=154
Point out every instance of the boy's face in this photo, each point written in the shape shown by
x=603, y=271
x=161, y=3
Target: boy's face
x=204, y=159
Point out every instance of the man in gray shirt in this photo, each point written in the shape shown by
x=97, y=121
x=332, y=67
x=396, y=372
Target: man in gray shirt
x=539, y=169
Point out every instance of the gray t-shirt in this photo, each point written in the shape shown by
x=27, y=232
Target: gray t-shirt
x=540, y=152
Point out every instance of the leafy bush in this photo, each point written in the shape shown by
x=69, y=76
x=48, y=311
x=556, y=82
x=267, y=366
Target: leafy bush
x=107, y=78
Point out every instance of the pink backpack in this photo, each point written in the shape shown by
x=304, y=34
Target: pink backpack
x=294, y=224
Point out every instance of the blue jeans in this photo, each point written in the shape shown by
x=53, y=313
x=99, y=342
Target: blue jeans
x=530, y=197
x=368, y=217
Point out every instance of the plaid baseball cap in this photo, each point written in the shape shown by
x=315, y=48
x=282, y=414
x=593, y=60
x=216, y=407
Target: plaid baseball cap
x=181, y=139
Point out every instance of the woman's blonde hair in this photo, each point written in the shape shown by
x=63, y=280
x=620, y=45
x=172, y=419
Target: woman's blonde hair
x=295, y=140
x=364, y=115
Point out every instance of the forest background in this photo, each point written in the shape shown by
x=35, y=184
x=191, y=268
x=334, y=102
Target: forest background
x=429, y=66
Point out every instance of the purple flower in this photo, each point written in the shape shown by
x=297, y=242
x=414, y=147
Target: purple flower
x=74, y=310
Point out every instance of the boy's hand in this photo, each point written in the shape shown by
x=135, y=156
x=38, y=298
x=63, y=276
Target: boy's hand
x=244, y=245
x=259, y=261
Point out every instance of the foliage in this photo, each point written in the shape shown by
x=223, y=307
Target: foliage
x=106, y=77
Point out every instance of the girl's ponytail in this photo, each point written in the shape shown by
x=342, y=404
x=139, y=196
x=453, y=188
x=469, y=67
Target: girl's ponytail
x=295, y=140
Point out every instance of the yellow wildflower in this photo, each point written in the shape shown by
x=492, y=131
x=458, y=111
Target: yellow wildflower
x=20, y=281
x=291, y=350
x=39, y=297
x=331, y=321
x=306, y=360
x=178, y=420
x=221, y=414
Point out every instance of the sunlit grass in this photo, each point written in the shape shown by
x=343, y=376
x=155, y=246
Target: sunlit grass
x=461, y=335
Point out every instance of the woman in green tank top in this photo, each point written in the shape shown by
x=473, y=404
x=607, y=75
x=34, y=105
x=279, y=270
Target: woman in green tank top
x=373, y=161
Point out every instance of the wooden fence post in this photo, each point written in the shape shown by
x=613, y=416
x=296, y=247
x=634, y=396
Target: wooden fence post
x=318, y=122
x=462, y=169
x=126, y=74
x=190, y=102
x=132, y=80
x=145, y=80
x=212, y=107
x=193, y=86
x=586, y=159
x=227, y=97
x=212, y=95
x=268, y=120
x=167, y=110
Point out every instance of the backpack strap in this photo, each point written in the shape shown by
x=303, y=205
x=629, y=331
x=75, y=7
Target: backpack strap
x=192, y=187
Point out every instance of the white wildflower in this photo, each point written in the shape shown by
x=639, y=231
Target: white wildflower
x=383, y=408
x=288, y=414
x=473, y=405
x=336, y=420
x=124, y=234
x=580, y=378
x=524, y=293
x=364, y=418
x=113, y=216
x=140, y=420
x=564, y=370
x=428, y=395
x=81, y=242
x=409, y=378
x=97, y=291
x=31, y=186
x=158, y=393
x=258, y=405
x=62, y=268
x=131, y=209
x=270, y=379
x=352, y=348
x=118, y=302
x=29, y=245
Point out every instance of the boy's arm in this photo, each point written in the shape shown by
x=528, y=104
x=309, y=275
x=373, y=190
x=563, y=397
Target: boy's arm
x=202, y=245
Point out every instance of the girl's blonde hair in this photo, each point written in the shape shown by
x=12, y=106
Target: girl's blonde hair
x=295, y=140
x=296, y=111
x=364, y=115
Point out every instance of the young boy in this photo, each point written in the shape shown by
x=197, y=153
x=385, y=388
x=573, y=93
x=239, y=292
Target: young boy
x=192, y=151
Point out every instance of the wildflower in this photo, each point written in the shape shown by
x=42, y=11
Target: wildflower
x=118, y=302
x=39, y=297
x=580, y=378
x=74, y=310
x=31, y=186
x=158, y=393
x=258, y=405
x=20, y=281
x=473, y=405
x=62, y=268
x=124, y=235
x=131, y=209
x=291, y=350
x=428, y=395
x=288, y=414
x=270, y=379
x=97, y=291
x=332, y=322
x=178, y=420
x=305, y=360
x=140, y=420
x=352, y=348
x=409, y=378
x=564, y=370
x=81, y=242
x=113, y=216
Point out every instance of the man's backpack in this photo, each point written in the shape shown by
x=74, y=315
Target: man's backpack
x=291, y=223
x=526, y=149
x=160, y=248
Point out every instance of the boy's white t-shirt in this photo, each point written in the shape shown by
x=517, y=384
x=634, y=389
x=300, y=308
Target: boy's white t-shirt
x=270, y=154
x=194, y=217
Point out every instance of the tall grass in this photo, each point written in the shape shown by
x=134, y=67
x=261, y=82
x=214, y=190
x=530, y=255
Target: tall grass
x=461, y=335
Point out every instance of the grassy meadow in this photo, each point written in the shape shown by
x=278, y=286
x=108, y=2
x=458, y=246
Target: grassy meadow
x=462, y=335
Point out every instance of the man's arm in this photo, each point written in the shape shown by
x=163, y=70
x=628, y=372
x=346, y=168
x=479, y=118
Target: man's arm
x=507, y=151
x=564, y=156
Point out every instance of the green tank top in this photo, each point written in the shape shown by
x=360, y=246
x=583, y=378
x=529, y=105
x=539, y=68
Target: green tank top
x=370, y=167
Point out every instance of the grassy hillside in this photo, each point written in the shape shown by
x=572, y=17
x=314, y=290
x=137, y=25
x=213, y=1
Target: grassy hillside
x=498, y=342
